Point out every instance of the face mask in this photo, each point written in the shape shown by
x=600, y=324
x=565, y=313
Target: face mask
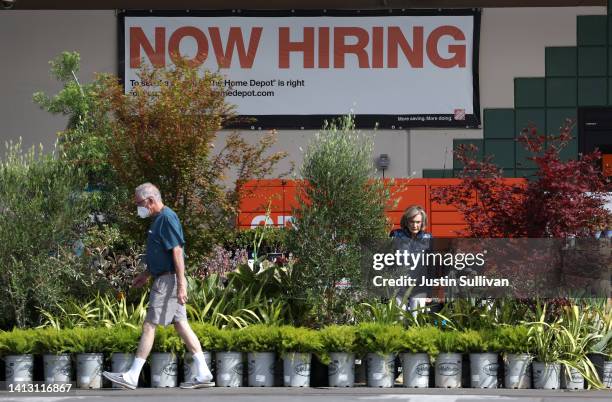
x=143, y=212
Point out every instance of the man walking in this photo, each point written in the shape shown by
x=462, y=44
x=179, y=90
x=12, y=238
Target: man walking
x=165, y=263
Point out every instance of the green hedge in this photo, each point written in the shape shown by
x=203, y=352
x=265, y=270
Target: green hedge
x=359, y=339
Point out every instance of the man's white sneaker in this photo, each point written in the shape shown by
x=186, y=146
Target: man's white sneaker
x=195, y=384
x=118, y=378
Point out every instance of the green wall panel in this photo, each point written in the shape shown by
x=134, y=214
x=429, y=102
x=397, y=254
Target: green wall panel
x=502, y=152
x=555, y=119
x=592, y=30
x=592, y=61
x=561, y=61
x=561, y=92
x=522, y=155
x=437, y=173
x=592, y=91
x=479, y=143
x=526, y=173
x=570, y=151
x=526, y=116
x=499, y=123
x=529, y=92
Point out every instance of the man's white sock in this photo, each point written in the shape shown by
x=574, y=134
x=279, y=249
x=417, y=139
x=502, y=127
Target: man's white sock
x=204, y=373
x=133, y=373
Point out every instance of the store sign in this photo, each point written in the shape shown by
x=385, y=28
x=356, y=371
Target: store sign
x=295, y=70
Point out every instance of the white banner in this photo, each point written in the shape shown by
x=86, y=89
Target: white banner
x=408, y=70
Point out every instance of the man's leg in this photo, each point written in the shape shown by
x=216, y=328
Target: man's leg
x=203, y=374
x=130, y=378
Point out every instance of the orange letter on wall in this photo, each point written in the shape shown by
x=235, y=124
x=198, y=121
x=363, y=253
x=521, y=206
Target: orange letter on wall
x=340, y=48
x=175, y=40
x=235, y=39
x=413, y=54
x=138, y=39
x=459, y=51
x=285, y=47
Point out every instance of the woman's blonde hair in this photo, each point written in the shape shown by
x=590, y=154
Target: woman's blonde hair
x=409, y=213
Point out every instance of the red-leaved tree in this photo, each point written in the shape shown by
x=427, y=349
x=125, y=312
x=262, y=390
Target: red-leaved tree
x=566, y=198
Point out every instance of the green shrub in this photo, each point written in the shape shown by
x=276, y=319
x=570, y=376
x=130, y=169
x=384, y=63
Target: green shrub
x=207, y=335
x=513, y=339
x=17, y=342
x=379, y=338
x=451, y=342
x=339, y=338
x=299, y=339
x=167, y=341
x=85, y=340
x=121, y=339
x=226, y=340
x=258, y=338
x=482, y=341
x=420, y=340
x=52, y=341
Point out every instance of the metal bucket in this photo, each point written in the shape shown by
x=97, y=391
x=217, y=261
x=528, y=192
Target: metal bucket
x=89, y=370
x=606, y=378
x=57, y=369
x=296, y=369
x=517, y=371
x=448, y=370
x=483, y=370
x=229, y=369
x=381, y=370
x=120, y=363
x=415, y=370
x=341, y=371
x=546, y=375
x=572, y=379
x=261, y=369
x=164, y=370
x=19, y=369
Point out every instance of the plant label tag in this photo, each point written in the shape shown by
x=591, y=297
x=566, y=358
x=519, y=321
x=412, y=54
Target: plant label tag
x=377, y=376
x=49, y=380
x=225, y=376
x=287, y=379
x=476, y=378
x=260, y=378
x=19, y=379
x=85, y=380
x=342, y=377
x=156, y=379
x=514, y=379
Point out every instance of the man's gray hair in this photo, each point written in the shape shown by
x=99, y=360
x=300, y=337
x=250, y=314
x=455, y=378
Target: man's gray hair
x=148, y=190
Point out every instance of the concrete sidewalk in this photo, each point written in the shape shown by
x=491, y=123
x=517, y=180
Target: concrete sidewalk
x=247, y=394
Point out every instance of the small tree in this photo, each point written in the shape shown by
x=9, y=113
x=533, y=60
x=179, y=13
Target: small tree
x=165, y=135
x=565, y=199
x=340, y=208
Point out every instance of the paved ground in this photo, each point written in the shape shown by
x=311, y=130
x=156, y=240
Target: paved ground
x=315, y=395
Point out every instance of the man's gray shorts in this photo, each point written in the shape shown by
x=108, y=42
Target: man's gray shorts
x=164, y=307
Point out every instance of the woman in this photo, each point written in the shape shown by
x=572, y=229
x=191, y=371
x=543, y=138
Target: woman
x=411, y=236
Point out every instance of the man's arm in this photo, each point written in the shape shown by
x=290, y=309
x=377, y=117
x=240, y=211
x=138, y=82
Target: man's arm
x=179, y=267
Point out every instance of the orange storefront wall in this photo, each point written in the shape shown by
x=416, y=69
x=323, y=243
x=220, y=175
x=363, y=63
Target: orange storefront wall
x=279, y=196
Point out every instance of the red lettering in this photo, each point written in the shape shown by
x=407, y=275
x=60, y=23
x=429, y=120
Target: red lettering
x=377, y=47
x=324, y=47
x=458, y=51
x=175, y=40
x=285, y=46
x=235, y=39
x=341, y=48
x=413, y=54
x=139, y=40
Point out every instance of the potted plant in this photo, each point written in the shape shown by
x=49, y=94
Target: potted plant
x=514, y=343
x=339, y=344
x=228, y=358
x=483, y=348
x=16, y=349
x=52, y=344
x=381, y=342
x=120, y=343
x=418, y=346
x=543, y=338
x=448, y=370
x=164, y=361
x=88, y=345
x=297, y=345
x=260, y=343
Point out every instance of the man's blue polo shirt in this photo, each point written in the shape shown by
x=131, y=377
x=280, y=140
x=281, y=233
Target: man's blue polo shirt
x=165, y=233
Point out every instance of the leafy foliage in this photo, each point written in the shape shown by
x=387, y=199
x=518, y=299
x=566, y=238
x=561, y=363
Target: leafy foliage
x=340, y=207
x=379, y=338
x=258, y=338
x=299, y=339
x=420, y=340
